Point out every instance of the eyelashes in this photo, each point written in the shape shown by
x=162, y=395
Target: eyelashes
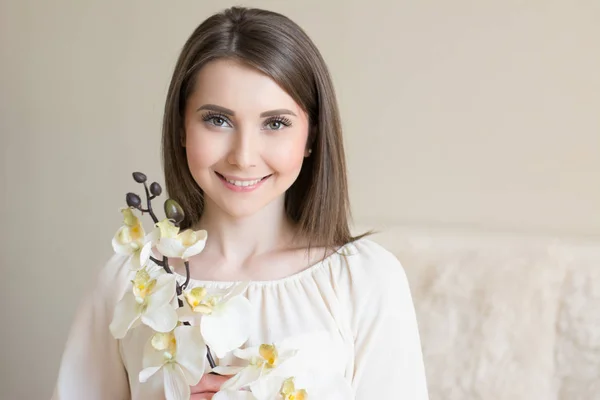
x=216, y=119
x=221, y=120
x=279, y=119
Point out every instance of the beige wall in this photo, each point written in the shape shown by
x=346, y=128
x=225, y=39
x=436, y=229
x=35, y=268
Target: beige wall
x=463, y=114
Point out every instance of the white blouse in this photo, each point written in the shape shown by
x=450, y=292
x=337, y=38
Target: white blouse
x=359, y=296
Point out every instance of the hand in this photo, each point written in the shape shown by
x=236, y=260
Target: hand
x=208, y=386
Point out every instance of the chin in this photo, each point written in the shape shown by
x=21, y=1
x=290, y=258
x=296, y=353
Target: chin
x=238, y=210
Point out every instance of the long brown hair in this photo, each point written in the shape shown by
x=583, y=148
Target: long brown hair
x=273, y=44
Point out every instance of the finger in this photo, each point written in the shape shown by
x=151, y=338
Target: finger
x=202, y=396
x=210, y=383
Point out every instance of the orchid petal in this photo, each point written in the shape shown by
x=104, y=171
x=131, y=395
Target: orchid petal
x=176, y=388
x=118, y=247
x=268, y=386
x=227, y=370
x=170, y=247
x=163, y=292
x=147, y=373
x=125, y=314
x=144, y=254
x=247, y=353
x=186, y=314
x=191, y=353
x=228, y=327
x=162, y=319
x=229, y=395
x=134, y=261
x=167, y=228
x=197, y=247
x=153, y=237
x=151, y=357
x=244, y=378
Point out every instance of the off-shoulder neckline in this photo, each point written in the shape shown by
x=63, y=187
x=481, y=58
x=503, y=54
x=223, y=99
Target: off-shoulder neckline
x=344, y=250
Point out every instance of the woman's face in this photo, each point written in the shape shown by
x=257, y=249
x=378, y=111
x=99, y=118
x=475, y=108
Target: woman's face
x=245, y=137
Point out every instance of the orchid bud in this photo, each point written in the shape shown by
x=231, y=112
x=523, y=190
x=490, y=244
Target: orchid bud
x=174, y=211
x=155, y=189
x=139, y=177
x=133, y=200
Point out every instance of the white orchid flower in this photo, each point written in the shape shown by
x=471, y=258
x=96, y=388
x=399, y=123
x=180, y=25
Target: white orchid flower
x=262, y=360
x=132, y=241
x=229, y=395
x=307, y=384
x=272, y=377
x=224, y=316
x=181, y=354
x=149, y=302
x=290, y=369
x=172, y=243
x=276, y=387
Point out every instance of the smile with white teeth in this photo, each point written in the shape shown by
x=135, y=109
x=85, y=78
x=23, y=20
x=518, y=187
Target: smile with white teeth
x=243, y=183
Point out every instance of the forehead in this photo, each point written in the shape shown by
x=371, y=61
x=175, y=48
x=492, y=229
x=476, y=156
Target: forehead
x=238, y=86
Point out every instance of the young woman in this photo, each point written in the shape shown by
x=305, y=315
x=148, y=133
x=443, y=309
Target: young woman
x=252, y=150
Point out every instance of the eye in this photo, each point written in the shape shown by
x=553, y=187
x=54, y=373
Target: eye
x=277, y=123
x=218, y=121
x=215, y=119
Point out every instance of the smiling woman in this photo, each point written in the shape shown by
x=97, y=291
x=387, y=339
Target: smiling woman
x=253, y=152
x=239, y=140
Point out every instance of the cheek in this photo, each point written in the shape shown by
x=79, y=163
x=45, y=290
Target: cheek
x=288, y=157
x=201, y=153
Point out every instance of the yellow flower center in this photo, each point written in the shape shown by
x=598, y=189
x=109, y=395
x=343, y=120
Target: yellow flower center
x=288, y=391
x=143, y=285
x=269, y=355
x=199, y=301
x=166, y=343
x=132, y=233
x=167, y=229
x=129, y=217
x=136, y=232
x=188, y=237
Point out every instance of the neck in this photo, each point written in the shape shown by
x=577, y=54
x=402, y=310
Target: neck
x=239, y=238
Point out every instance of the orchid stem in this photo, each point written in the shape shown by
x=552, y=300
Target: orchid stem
x=165, y=265
x=149, y=201
x=187, y=275
x=157, y=262
x=211, y=360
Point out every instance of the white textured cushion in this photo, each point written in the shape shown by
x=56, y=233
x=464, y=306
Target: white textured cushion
x=488, y=310
x=578, y=342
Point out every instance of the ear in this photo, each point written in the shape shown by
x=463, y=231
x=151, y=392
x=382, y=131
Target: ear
x=311, y=140
x=182, y=139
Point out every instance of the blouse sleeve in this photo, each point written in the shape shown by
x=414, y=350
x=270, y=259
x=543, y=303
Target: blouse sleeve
x=388, y=357
x=91, y=366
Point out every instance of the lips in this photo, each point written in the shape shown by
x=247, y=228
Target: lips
x=242, y=183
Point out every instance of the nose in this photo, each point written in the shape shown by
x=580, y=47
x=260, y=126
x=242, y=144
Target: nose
x=244, y=149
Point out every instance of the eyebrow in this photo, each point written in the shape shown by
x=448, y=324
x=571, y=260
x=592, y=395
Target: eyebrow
x=214, y=107
x=227, y=111
x=276, y=112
